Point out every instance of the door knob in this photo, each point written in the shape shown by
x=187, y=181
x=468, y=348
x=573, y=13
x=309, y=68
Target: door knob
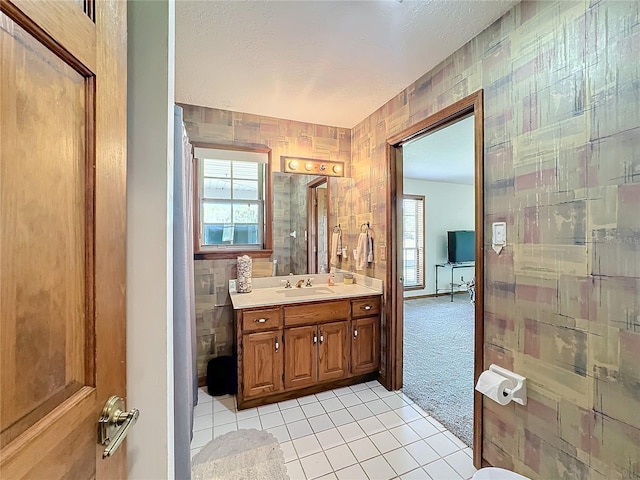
x=114, y=424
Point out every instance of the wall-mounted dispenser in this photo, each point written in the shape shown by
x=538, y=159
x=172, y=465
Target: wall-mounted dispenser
x=502, y=385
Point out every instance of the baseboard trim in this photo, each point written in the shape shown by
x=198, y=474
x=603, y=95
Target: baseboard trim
x=432, y=295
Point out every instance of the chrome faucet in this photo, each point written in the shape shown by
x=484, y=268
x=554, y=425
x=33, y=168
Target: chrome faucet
x=299, y=283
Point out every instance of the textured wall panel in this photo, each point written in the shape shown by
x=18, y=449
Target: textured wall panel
x=214, y=313
x=562, y=168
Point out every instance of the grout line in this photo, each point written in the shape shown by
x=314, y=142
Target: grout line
x=356, y=422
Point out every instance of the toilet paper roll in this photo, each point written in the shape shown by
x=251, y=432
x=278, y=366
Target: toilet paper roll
x=493, y=386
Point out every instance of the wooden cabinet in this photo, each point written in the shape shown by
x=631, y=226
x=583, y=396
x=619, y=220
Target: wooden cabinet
x=333, y=351
x=261, y=319
x=262, y=363
x=307, y=313
x=316, y=353
x=259, y=337
x=291, y=350
x=365, y=345
x=300, y=366
x=365, y=307
x=365, y=335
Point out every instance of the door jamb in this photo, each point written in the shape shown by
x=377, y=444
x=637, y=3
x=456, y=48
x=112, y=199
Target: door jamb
x=392, y=376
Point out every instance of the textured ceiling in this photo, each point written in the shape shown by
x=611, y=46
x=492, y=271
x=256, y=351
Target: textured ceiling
x=324, y=62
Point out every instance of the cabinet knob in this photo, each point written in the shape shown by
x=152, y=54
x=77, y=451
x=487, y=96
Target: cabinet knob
x=355, y=333
x=367, y=307
x=277, y=344
x=315, y=339
x=261, y=320
x=321, y=337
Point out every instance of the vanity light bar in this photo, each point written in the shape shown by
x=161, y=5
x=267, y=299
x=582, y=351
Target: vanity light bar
x=310, y=166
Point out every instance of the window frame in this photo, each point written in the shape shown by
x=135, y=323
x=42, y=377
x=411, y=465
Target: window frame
x=203, y=253
x=420, y=251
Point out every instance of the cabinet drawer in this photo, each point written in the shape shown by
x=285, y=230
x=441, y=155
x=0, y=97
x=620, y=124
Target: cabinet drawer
x=316, y=312
x=263, y=319
x=365, y=307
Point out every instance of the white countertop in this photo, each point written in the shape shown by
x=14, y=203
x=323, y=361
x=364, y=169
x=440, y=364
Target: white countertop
x=265, y=296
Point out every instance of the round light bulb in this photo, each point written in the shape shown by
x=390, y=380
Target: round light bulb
x=337, y=169
x=293, y=165
x=308, y=166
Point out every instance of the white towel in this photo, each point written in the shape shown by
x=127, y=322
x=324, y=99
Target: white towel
x=361, y=252
x=336, y=248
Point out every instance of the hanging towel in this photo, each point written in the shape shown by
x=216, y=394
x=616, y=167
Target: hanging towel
x=361, y=252
x=336, y=248
x=369, y=247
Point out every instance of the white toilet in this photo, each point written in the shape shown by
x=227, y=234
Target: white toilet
x=493, y=473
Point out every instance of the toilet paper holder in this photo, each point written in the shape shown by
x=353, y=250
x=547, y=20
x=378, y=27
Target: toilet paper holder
x=518, y=388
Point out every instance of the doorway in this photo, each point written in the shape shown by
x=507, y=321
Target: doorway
x=317, y=226
x=394, y=328
x=438, y=243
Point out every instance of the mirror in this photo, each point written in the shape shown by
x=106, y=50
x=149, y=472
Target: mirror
x=299, y=221
x=306, y=211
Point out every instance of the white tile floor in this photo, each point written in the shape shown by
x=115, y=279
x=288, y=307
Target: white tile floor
x=358, y=432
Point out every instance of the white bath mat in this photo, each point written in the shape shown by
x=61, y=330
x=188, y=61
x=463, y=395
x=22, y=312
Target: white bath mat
x=247, y=454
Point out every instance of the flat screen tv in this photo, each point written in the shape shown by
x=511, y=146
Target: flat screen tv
x=461, y=246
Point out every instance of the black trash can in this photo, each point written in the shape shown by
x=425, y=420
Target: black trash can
x=222, y=376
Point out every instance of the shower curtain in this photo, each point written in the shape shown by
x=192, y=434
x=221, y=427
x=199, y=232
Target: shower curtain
x=184, y=338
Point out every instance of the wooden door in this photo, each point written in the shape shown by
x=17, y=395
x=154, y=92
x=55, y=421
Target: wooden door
x=333, y=351
x=262, y=363
x=301, y=358
x=62, y=234
x=365, y=345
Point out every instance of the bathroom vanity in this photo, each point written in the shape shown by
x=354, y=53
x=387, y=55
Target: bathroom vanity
x=293, y=342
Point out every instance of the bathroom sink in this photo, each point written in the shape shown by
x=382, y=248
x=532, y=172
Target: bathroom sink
x=305, y=291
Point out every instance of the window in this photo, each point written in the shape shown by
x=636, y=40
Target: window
x=232, y=190
x=413, y=242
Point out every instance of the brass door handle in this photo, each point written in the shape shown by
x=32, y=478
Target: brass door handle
x=114, y=424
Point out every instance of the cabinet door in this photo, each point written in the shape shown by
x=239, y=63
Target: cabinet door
x=301, y=361
x=365, y=345
x=262, y=363
x=333, y=350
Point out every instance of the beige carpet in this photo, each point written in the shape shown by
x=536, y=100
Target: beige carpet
x=242, y=455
